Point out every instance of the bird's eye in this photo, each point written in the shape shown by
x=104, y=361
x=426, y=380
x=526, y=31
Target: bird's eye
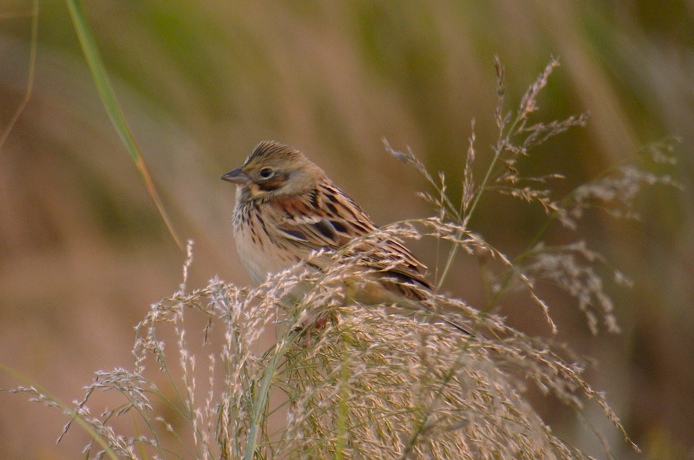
x=266, y=173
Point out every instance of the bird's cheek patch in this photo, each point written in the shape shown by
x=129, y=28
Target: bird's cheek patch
x=273, y=184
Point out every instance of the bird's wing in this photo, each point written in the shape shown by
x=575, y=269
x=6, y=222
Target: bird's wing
x=328, y=219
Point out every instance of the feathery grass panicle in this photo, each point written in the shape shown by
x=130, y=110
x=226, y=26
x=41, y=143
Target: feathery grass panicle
x=368, y=382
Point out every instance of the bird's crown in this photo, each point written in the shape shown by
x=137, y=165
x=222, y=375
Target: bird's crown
x=273, y=150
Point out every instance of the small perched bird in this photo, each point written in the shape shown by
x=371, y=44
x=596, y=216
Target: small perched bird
x=287, y=208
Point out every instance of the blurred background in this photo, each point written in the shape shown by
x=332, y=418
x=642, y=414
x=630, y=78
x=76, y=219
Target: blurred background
x=83, y=251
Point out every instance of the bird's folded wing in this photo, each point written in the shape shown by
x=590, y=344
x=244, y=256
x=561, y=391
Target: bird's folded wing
x=329, y=220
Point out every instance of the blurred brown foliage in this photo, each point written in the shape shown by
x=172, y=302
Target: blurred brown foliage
x=82, y=249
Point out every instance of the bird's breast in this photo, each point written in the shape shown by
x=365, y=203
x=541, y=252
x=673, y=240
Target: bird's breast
x=258, y=247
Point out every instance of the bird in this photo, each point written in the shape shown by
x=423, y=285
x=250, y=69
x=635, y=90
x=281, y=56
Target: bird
x=287, y=210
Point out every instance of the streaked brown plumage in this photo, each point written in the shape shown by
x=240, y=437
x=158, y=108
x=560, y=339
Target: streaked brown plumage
x=286, y=208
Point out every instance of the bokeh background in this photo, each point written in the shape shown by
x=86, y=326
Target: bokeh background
x=83, y=252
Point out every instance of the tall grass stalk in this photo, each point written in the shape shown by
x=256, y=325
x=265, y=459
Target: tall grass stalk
x=108, y=97
x=30, y=74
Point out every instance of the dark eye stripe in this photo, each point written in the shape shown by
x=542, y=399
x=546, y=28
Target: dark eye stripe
x=271, y=185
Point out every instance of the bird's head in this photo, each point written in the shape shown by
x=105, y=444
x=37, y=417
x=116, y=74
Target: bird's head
x=275, y=169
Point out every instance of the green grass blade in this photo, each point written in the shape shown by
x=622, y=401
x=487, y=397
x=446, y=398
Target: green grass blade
x=108, y=97
x=30, y=77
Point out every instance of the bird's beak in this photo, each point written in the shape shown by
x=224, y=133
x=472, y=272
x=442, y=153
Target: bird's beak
x=237, y=176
